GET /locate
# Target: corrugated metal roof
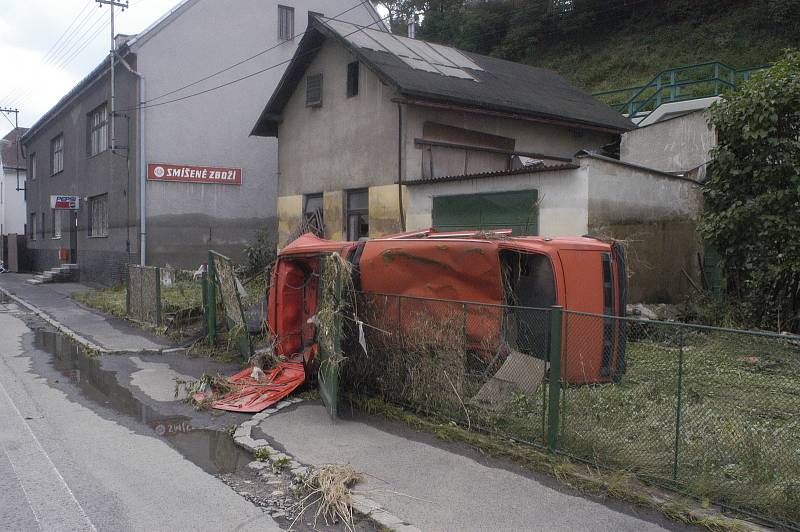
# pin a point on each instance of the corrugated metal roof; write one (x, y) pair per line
(497, 173)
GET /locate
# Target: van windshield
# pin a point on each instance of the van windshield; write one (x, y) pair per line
(528, 279)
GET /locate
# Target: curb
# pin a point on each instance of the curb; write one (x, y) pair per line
(243, 437)
(85, 342)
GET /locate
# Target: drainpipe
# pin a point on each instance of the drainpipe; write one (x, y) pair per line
(142, 168)
(400, 166)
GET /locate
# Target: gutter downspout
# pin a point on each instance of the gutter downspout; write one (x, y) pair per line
(400, 166)
(142, 168)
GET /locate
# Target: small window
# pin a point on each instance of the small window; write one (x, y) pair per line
(97, 129)
(352, 79)
(314, 90)
(57, 155)
(357, 214)
(41, 227)
(285, 23)
(313, 213)
(98, 216)
(56, 224)
(32, 166)
(313, 204)
(32, 226)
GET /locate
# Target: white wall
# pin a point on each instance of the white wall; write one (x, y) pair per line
(563, 196)
(677, 144)
(12, 206)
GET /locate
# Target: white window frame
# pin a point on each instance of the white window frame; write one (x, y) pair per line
(98, 216)
(285, 23)
(32, 166)
(56, 224)
(57, 154)
(97, 129)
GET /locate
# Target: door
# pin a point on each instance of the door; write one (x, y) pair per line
(516, 210)
(73, 237)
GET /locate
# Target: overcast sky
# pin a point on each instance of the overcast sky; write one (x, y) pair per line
(47, 46)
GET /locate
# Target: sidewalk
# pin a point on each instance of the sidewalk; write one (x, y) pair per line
(435, 485)
(108, 333)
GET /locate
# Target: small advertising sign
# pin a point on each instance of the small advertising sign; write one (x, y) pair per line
(194, 174)
(65, 202)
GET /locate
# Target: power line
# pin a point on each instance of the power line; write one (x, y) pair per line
(248, 76)
(262, 52)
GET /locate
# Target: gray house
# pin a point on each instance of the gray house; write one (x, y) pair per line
(380, 133)
(182, 174)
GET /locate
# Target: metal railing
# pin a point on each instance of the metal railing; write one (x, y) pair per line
(708, 411)
(690, 82)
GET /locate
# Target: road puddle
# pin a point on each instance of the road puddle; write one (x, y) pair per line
(214, 451)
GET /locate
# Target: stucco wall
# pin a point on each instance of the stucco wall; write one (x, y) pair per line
(657, 216)
(213, 129)
(12, 201)
(563, 196)
(101, 259)
(677, 144)
(345, 143)
(531, 137)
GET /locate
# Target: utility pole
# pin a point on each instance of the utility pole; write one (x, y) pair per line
(112, 55)
(8, 111)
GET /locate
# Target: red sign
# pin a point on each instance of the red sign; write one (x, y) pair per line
(194, 174)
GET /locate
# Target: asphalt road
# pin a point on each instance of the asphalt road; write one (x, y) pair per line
(66, 464)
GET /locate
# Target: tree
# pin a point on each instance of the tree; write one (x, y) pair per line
(752, 197)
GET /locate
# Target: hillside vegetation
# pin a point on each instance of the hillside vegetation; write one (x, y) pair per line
(610, 44)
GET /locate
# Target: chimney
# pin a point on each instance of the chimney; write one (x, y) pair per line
(412, 27)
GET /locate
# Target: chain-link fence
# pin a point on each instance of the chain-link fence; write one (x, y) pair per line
(711, 412)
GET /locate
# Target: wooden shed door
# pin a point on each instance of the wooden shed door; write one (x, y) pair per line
(497, 210)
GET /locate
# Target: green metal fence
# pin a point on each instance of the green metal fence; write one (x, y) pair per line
(710, 412)
(677, 84)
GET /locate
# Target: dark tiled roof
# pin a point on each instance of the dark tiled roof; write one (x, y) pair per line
(502, 86)
(497, 173)
(10, 156)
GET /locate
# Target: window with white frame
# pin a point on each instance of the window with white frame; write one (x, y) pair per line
(285, 23)
(98, 215)
(57, 155)
(32, 166)
(56, 224)
(97, 130)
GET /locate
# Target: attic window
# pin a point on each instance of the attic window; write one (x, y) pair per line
(352, 79)
(314, 90)
(285, 23)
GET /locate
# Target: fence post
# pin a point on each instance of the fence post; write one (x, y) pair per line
(678, 406)
(158, 296)
(128, 290)
(554, 387)
(204, 291)
(212, 298)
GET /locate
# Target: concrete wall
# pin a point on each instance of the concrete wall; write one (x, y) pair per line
(101, 259)
(676, 144)
(657, 216)
(12, 201)
(563, 196)
(213, 129)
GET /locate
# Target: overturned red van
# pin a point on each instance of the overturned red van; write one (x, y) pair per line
(494, 271)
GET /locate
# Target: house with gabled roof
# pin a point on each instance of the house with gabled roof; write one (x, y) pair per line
(379, 133)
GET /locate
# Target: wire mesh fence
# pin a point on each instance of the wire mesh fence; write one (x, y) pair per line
(160, 296)
(711, 412)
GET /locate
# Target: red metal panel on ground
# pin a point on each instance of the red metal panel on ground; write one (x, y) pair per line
(254, 395)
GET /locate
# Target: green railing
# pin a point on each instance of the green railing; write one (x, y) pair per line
(706, 411)
(677, 84)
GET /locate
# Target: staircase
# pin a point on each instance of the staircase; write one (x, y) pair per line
(691, 82)
(65, 273)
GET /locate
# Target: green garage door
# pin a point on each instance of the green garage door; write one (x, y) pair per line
(497, 210)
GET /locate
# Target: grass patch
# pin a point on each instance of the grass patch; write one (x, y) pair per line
(108, 300)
